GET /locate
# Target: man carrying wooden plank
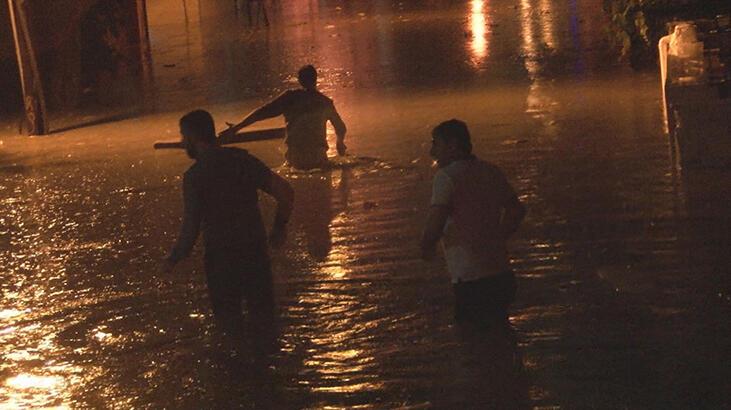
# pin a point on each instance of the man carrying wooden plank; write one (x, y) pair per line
(306, 112)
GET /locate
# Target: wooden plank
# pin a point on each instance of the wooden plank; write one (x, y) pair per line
(247, 136)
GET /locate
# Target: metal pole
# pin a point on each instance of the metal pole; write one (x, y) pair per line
(34, 101)
(145, 56)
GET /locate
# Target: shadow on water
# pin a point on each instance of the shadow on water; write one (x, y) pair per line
(321, 195)
(316, 224)
(701, 295)
(494, 357)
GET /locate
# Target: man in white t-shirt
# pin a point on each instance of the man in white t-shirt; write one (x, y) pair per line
(474, 210)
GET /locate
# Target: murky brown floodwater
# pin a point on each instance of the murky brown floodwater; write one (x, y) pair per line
(622, 261)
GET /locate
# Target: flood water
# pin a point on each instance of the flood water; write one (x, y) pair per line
(622, 262)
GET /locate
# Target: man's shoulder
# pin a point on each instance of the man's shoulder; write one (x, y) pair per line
(247, 159)
(473, 170)
(288, 93)
(284, 98)
(456, 168)
(193, 175)
(312, 96)
(488, 166)
(443, 178)
(324, 97)
(327, 101)
(473, 165)
(236, 152)
(192, 170)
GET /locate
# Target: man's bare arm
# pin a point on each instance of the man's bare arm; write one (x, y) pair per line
(435, 221)
(340, 130)
(270, 110)
(191, 224)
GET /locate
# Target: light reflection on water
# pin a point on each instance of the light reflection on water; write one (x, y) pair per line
(479, 27)
(45, 391)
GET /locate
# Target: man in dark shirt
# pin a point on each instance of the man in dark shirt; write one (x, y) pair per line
(220, 196)
(306, 112)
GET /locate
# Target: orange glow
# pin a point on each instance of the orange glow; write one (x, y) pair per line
(478, 25)
(529, 46)
(29, 381)
(10, 313)
(547, 24)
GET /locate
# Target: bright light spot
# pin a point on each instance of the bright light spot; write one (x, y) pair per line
(29, 381)
(21, 355)
(529, 47)
(100, 336)
(479, 42)
(547, 23)
(8, 313)
(350, 388)
(342, 355)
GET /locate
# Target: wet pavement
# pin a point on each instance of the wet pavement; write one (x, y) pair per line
(622, 262)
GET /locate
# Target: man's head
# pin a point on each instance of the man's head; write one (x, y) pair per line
(307, 77)
(450, 142)
(197, 127)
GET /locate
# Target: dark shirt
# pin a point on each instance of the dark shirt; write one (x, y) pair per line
(306, 113)
(220, 195)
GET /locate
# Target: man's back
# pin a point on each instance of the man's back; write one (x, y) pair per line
(306, 113)
(222, 186)
(476, 193)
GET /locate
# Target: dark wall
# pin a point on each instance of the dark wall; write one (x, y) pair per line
(88, 53)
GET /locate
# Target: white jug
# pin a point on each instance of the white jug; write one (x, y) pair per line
(684, 42)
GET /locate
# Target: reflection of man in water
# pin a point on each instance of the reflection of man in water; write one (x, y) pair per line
(320, 198)
(306, 112)
(474, 210)
(220, 195)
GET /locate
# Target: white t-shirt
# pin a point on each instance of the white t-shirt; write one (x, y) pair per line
(476, 193)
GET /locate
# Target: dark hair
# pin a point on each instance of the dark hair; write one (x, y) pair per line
(454, 131)
(307, 76)
(200, 124)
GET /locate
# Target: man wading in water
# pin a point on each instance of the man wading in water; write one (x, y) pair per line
(306, 112)
(474, 210)
(220, 192)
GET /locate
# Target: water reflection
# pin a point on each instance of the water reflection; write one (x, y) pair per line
(480, 31)
(539, 103)
(45, 391)
(40, 379)
(528, 38)
(547, 23)
(337, 361)
(325, 196)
